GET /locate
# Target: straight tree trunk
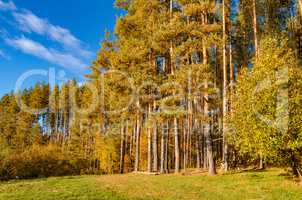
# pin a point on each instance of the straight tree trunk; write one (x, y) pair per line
(175, 123)
(61, 135)
(201, 147)
(255, 27)
(198, 163)
(137, 147)
(149, 150)
(207, 133)
(57, 121)
(205, 155)
(225, 89)
(149, 143)
(189, 149)
(209, 145)
(232, 79)
(197, 143)
(132, 140)
(162, 150)
(155, 157)
(190, 120)
(176, 146)
(167, 149)
(122, 150)
(171, 42)
(185, 152)
(126, 137)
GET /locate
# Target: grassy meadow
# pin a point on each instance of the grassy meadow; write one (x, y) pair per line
(273, 184)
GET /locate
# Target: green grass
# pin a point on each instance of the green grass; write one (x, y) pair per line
(270, 185)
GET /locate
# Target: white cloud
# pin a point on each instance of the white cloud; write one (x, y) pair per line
(36, 49)
(70, 51)
(3, 55)
(9, 5)
(28, 22)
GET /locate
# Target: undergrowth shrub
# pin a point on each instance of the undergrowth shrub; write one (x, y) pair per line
(38, 162)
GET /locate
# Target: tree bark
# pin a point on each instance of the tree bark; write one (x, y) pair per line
(137, 147)
(132, 138)
(162, 150)
(176, 146)
(185, 152)
(225, 89)
(149, 143)
(207, 134)
(167, 148)
(122, 150)
(171, 42)
(189, 133)
(155, 157)
(255, 28)
(197, 142)
(261, 162)
(209, 146)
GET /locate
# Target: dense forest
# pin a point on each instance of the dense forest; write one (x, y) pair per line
(180, 84)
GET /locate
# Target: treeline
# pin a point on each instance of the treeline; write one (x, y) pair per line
(183, 84)
(35, 133)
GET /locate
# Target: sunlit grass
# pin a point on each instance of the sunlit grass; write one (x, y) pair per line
(248, 185)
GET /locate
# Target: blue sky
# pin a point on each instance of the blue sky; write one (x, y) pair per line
(62, 35)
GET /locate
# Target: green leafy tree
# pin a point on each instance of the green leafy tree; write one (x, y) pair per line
(266, 105)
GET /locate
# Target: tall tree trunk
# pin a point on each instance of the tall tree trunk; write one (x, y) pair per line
(205, 155)
(126, 136)
(175, 124)
(57, 121)
(149, 142)
(207, 133)
(197, 143)
(208, 141)
(176, 146)
(132, 138)
(167, 148)
(201, 146)
(149, 150)
(225, 89)
(155, 157)
(232, 78)
(137, 147)
(122, 149)
(62, 126)
(162, 149)
(198, 163)
(190, 125)
(232, 85)
(171, 42)
(185, 152)
(255, 27)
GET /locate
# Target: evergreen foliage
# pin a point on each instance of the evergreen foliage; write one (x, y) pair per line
(179, 86)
